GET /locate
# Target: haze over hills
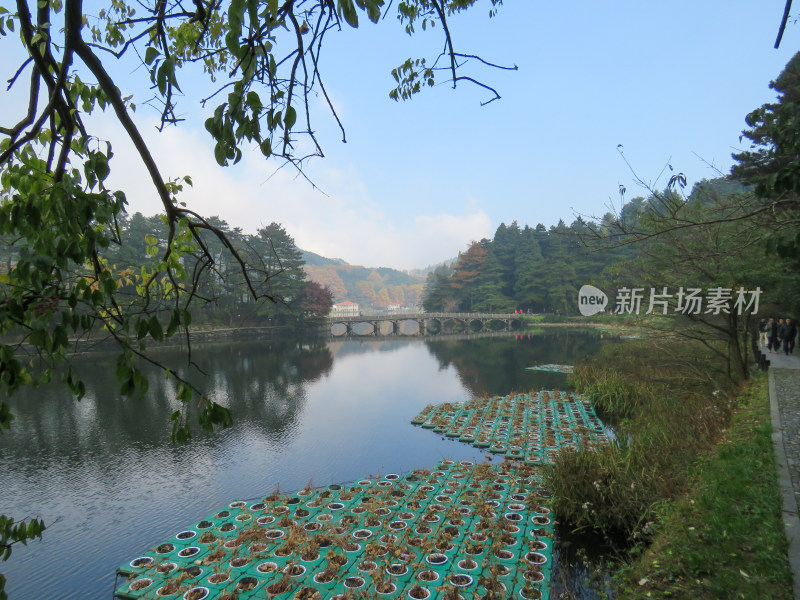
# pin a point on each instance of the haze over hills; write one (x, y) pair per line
(316, 260)
(368, 286)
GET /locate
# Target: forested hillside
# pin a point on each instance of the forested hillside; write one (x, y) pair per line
(528, 268)
(274, 267)
(369, 287)
(698, 241)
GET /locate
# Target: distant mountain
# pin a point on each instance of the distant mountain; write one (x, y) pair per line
(320, 261)
(374, 287)
(423, 273)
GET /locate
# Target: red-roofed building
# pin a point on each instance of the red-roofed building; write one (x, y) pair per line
(345, 309)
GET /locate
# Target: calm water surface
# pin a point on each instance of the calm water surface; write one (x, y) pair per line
(103, 474)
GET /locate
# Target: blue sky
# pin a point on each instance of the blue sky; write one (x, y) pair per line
(417, 181)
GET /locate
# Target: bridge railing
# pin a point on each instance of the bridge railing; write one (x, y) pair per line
(416, 316)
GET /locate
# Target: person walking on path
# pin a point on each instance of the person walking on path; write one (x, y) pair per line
(762, 332)
(772, 334)
(781, 333)
(789, 333)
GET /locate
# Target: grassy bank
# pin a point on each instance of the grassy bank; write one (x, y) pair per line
(672, 401)
(724, 538)
(692, 482)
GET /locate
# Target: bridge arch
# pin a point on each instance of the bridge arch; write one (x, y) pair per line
(423, 320)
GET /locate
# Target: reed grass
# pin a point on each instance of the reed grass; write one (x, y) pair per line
(674, 401)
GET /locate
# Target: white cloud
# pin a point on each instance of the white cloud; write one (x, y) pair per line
(342, 220)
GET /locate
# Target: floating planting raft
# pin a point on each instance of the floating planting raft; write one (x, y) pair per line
(462, 531)
(527, 427)
(551, 368)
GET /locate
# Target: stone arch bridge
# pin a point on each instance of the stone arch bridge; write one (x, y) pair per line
(424, 320)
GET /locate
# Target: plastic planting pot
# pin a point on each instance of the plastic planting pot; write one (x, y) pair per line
(468, 564)
(137, 565)
(428, 577)
(228, 529)
(192, 572)
(354, 582)
(265, 568)
(418, 592)
(247, 584)
(530, 592)
(295, 571)
(240, 562)
(305, 593)
(184, 537)
(533, 575)
(217, 580)
(197, 593)
(278, 588)
(505, 555)
(397, 569)
(137, 588)
(190, 552)
(366, 566)
(538, 546)
(460, 580)
(537, 559)
(319, 580)
(386, 589)
(165, 549)
(362, 534)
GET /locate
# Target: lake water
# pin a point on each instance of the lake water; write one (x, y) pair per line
(105, 477)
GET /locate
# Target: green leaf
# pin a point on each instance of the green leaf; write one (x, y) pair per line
(38, 337)
(5, 416)
(219, 154)
(184, 393)
(348, 10)
(374, 10)
(291, 117)
(154, 327)
(150, 54)
(101, 168)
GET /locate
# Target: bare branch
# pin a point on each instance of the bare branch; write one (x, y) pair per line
(784, 20)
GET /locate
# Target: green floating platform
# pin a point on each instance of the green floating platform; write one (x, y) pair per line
(551, 368)
(531, 428)
(462, 531)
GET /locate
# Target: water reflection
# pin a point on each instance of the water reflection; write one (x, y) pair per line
(103, 473)
(486, 365)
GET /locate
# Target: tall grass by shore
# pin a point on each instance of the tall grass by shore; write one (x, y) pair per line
(673, 401)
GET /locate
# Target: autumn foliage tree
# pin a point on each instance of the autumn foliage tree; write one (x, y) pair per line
(316, 301)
